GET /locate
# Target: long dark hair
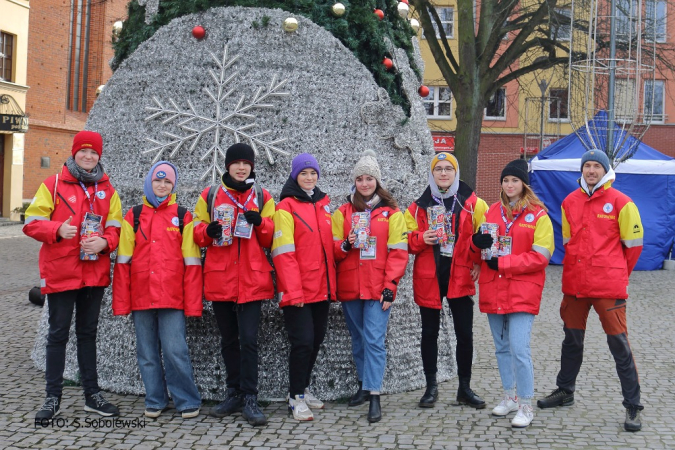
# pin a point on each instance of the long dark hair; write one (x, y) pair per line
(385, 196)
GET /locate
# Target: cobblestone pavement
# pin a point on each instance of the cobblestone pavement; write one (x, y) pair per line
(595, 421)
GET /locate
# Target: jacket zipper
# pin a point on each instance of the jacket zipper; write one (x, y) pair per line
(66, 203)
(302, 220)
(325, 257)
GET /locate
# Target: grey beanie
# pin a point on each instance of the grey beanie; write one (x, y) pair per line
(367, 165)
(596, 155)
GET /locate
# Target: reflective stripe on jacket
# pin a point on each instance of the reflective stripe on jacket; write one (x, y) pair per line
(60, 266)
(238, 272)
(603, 236)
(157, 267)
(365, 279)
(518, 284)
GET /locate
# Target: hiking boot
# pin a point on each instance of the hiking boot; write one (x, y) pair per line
(430, 396)
(506, 406)
(374, 410)
(251, 412)
(633, 422)
(311, 401)
(298, 408)
(523, 417)
(98, 404)
(559, 397)
(50, 408)
(189, 413)
(152, 413)
(234, 402)
(360, 397)
(465, 396)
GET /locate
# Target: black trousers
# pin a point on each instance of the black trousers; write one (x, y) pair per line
(306, 328)
(86, 303)
(238, 325)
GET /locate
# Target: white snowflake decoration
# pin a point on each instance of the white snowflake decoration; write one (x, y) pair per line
(221, 122)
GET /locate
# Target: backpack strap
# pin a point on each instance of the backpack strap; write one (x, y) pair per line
(210, 198)
(259, 196)
(56, 185)
(181, 217)
(136, 211)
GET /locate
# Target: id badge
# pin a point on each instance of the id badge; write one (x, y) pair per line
(242, 229)
(448, 249)
(371, 251)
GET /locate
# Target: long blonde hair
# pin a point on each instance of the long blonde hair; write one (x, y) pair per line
(528, 199)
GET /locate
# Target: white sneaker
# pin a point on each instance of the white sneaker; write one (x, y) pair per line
(312, 402)
(506, 406)
(299, 409)
(524, 417)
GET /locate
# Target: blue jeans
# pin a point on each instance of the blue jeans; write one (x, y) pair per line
(511, 334)
(367, 325)
(165, 329)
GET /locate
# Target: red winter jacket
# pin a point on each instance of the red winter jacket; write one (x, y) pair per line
(158, 267)
(238, 272)
(466, 221)
(60, 266)
(302, 249)
(365, 279)
(519, 282)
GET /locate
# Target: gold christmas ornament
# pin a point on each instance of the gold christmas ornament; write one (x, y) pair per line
(117, 28)
(290, 25)
(338, 9)
(403, 10)
(415, 25)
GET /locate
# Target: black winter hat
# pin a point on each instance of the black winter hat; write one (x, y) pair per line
(517, 168)
(239, 152)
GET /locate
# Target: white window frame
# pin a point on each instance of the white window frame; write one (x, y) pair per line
(434, 98)
(624, 99)
(561, 119)
(441, 13)
(622, 20)
(486, 117)
(660, 23)
(661, 116)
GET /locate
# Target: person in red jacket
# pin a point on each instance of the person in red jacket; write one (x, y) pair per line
(302, 252)
(511, 284)
(602, 234)
(235, 227)
(445, 271)
(77, 215)
(158, 278)
(367, 278)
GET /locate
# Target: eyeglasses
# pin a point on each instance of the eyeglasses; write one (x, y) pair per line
(444, 169)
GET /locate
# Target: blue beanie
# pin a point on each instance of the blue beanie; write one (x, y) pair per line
(147, 186)
(596, 155)
(304, 161)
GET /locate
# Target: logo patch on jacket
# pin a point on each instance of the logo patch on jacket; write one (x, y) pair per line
(326, 208)
(100, 194)
(72, 199)
(608, 208)
(385, 213)
(529, 218)
(174, 221)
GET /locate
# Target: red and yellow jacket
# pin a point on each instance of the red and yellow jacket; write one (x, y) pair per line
(60, 266)
(603, 236)
(365, 279)
(157, 267)
(519, 282)
(302, 249)
(466, 220)
(238, 272)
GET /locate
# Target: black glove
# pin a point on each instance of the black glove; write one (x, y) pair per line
(346, 245)
(214, 230)
(387, 295)
(253, 217)
(493, 263)
(482, 241)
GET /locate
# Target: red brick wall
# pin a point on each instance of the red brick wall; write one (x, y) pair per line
(494, 152)
(662, 138)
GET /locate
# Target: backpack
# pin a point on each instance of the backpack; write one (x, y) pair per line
(139, 208)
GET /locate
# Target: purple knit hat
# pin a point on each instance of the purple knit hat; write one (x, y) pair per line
(304, 161)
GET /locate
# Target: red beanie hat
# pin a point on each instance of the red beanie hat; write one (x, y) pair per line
(88, 139)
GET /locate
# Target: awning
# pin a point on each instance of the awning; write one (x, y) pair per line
(12, 117)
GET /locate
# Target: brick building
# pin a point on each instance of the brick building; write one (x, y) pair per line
(69, 46)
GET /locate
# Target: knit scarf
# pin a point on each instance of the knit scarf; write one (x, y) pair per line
(82, 175)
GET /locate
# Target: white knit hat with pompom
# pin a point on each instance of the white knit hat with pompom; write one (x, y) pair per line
(367, 165)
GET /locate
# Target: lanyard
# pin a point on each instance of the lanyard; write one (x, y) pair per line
(235, 201)
(508, 225)
(86, 192)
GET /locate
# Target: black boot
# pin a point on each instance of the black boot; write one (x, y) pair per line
(465, 396)
(360, 397)
(374, 412)
(251, 412)
(431, 394)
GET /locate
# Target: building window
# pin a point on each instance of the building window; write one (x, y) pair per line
(558, 105)
(561, 27)
(496, 107)
(438, 103)
(655, 27)
(447, 16)
(654, 92)
(625, 100)
(6, 54)
(626, 17)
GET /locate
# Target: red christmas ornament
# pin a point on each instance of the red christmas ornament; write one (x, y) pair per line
(405, 1)
(379, 13)
(423, 91)
(388, 63)
(199, 32)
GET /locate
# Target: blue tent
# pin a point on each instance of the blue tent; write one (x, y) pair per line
(648, 178)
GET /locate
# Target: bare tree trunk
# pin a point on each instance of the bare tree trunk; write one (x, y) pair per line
(467, 135)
